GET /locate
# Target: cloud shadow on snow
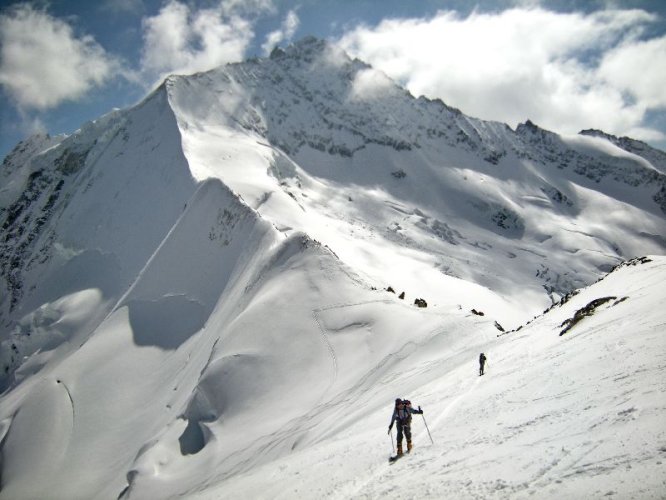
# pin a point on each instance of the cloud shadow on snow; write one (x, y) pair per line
(167, 322)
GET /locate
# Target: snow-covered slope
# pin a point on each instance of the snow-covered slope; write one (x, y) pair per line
(193, 291)
(574, 416)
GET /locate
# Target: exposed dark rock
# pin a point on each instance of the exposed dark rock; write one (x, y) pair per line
(588, 310)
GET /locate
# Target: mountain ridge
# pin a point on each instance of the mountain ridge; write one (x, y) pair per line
(198, 289)
(314, 126)
(331, 125)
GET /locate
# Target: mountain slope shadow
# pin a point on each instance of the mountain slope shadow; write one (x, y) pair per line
(87, 270)
(167, 322)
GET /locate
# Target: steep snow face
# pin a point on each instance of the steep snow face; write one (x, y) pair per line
(93, 210)
(15, 167)
(134, 374)
(320, 143)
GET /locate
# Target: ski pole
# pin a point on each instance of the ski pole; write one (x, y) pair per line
(426, 426)
(391, 438)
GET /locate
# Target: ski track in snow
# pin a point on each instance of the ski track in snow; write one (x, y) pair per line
(443, 414)
(325, 335)
(334, 359)
(301, 425)
(380, 471)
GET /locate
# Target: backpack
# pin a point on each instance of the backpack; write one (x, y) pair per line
(408, 407)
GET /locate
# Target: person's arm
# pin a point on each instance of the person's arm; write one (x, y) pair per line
(393, 419)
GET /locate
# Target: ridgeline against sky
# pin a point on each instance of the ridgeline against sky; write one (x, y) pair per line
(586, 66)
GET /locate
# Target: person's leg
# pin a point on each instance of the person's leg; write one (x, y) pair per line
(408, 435)
(399, 438)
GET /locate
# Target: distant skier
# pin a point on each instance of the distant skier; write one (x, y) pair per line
(402, 415)
(482, 363)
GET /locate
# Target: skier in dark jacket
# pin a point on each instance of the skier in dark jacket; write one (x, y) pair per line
(482, 363)
(402, 415)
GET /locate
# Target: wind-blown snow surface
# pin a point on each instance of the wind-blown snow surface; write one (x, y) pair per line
(194, 297)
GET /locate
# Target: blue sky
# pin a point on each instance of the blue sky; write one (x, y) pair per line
(566, 65)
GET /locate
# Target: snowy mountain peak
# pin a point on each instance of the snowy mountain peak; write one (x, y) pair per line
(308, 48)
(530, 127)
(434, 181)
(236, 275)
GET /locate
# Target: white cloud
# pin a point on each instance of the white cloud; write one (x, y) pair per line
(43, 63)
(526, 63)
(638, 67)
(246, 8)
(33, 125)
(123, 6)
(286, 32)
(180, 40)
(369, 83)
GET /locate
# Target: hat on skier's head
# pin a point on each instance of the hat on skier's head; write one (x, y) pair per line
(398, 401)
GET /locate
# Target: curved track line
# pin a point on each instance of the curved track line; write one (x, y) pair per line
(326, 340)
(447, 409)
(324, 336)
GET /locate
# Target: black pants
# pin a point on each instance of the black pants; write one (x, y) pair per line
(406, 430)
